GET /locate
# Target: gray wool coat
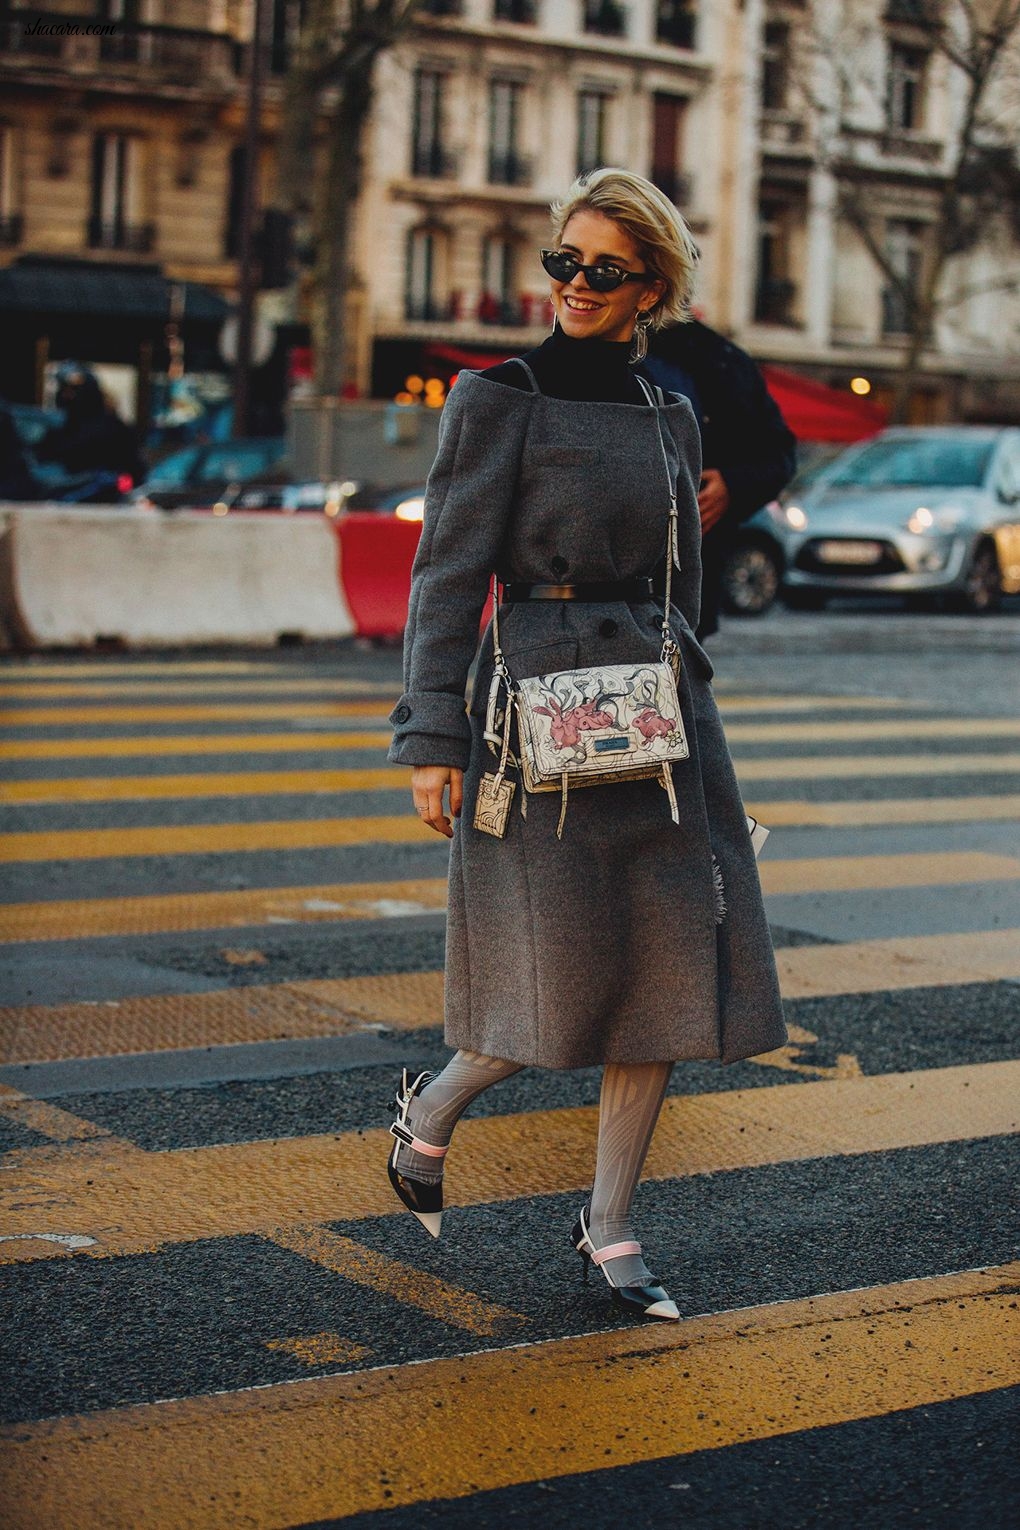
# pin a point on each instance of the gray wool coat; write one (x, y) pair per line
(602, 946)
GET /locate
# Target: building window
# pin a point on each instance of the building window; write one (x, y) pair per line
(524, 12)
(775, 290)
(676, 23)
(421, 289)
(591, 130)
(905, 98)
(499, 303)
(11, 223)
(668, 114)
(114, 222)
(775, 66)
(507, 167)
(606, 17)
(428, 155)
(904, 249)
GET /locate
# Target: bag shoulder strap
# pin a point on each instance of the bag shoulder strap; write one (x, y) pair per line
(531, 376)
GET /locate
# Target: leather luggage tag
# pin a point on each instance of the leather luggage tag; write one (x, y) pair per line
(492, 808)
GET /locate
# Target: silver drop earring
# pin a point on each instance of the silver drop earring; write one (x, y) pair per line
(639, 349)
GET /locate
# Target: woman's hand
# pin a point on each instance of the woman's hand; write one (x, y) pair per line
(428, 784)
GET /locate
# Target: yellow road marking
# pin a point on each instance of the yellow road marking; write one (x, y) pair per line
(401, 1282)
(321, 1349)
(203, 839)
(67, 920)
(44, 669)
(268, 1456)
(861, 730)
(412, 1000)
(249, 711)
(48, 1120)
(848, 766)
(132, 1201)
(254, 783)
(61, 920)
(788, 1059)
(197, 744)
(266, 783)
(292, 685)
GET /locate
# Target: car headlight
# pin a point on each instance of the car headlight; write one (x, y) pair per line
(410, 510)
(794, 517)
(924, 522)
(921, 521)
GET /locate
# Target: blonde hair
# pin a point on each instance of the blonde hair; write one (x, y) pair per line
(651, 219)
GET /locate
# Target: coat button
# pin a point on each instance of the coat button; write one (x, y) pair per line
(401, 713)
(559, 566)
(608, 629)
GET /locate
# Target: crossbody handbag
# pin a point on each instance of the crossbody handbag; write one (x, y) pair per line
(588, 727)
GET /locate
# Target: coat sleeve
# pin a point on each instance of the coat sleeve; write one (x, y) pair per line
(468, 499)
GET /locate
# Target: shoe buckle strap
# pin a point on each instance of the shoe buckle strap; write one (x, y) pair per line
(615, 1251)
(400, 1131)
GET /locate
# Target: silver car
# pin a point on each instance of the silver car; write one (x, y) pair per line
(913, 511)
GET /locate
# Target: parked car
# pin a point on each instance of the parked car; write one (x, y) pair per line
(752, 574)
(198, 477)
(921, 512)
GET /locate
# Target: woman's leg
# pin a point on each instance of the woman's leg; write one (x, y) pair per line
(436, 1111)
(629, 1106)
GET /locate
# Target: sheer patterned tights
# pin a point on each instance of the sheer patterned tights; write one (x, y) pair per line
(629, 1106)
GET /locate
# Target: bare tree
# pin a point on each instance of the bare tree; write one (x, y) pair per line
(978, 180)
(328, 94)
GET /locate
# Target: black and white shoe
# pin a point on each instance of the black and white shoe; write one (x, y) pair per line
(422, 1200)
(650, 1301)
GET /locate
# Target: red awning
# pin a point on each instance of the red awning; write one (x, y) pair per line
(817, 413)
(811, 410)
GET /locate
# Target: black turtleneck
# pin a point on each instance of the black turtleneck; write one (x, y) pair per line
(588, 371)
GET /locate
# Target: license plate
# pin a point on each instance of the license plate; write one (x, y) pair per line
(849, 552)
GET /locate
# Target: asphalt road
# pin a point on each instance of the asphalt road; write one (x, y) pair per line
(222, 936)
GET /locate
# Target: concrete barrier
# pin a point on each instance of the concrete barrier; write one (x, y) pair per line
(75, 577)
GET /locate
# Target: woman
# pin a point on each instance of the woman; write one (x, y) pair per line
(631, 941)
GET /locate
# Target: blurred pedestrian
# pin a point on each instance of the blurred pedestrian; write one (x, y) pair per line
(636, 939)
(92, 437)
(748, 453)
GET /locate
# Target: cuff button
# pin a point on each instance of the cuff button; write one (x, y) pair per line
(401, 713)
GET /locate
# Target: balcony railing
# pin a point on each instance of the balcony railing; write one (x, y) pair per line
(773, 301)
(677, 185)
(676, 24)
(509, 170)
(12, 228)
(138, 238)
(182, 52)
(525, 12)
(433, 162)
(442, 7)
(910, 146)
(427, 310)
(897, 312)
(606, 17)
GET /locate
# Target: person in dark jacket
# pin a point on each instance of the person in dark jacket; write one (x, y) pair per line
(92, 436)
(748, 452)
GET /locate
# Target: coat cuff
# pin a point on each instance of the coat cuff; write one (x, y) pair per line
(431, 728)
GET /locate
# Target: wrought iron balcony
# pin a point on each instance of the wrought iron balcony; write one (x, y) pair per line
(433, 162)
(80, 41)
(138, 238)
(676, 24)
(12, 228)
(773, 300)
(606, 17)
(509, 169)
(427, 310)
(442, 7)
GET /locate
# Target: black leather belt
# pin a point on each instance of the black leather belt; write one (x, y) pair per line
(602, 590)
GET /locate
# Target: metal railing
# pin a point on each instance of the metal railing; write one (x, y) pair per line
(773, 300)
(509, 169)
(433, 162)
(49, 36)
(524, 12)
(676, 24)
(138, 238)
(606, 17)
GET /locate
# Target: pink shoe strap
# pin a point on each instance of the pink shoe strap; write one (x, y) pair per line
(614, 1251)
(418, 1146)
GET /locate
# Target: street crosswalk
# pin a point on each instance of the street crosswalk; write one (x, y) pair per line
(195, 1150)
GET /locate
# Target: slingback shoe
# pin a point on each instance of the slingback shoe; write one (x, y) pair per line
(422, 1200)
(650, 1301)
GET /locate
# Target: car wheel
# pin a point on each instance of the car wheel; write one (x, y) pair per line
(982, 591)
(804, 600)
(750, 580)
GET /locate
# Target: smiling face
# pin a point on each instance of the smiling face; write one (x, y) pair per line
(583, 314)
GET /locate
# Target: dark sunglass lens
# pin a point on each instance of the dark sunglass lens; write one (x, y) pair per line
(561, 267)
(605, 278)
